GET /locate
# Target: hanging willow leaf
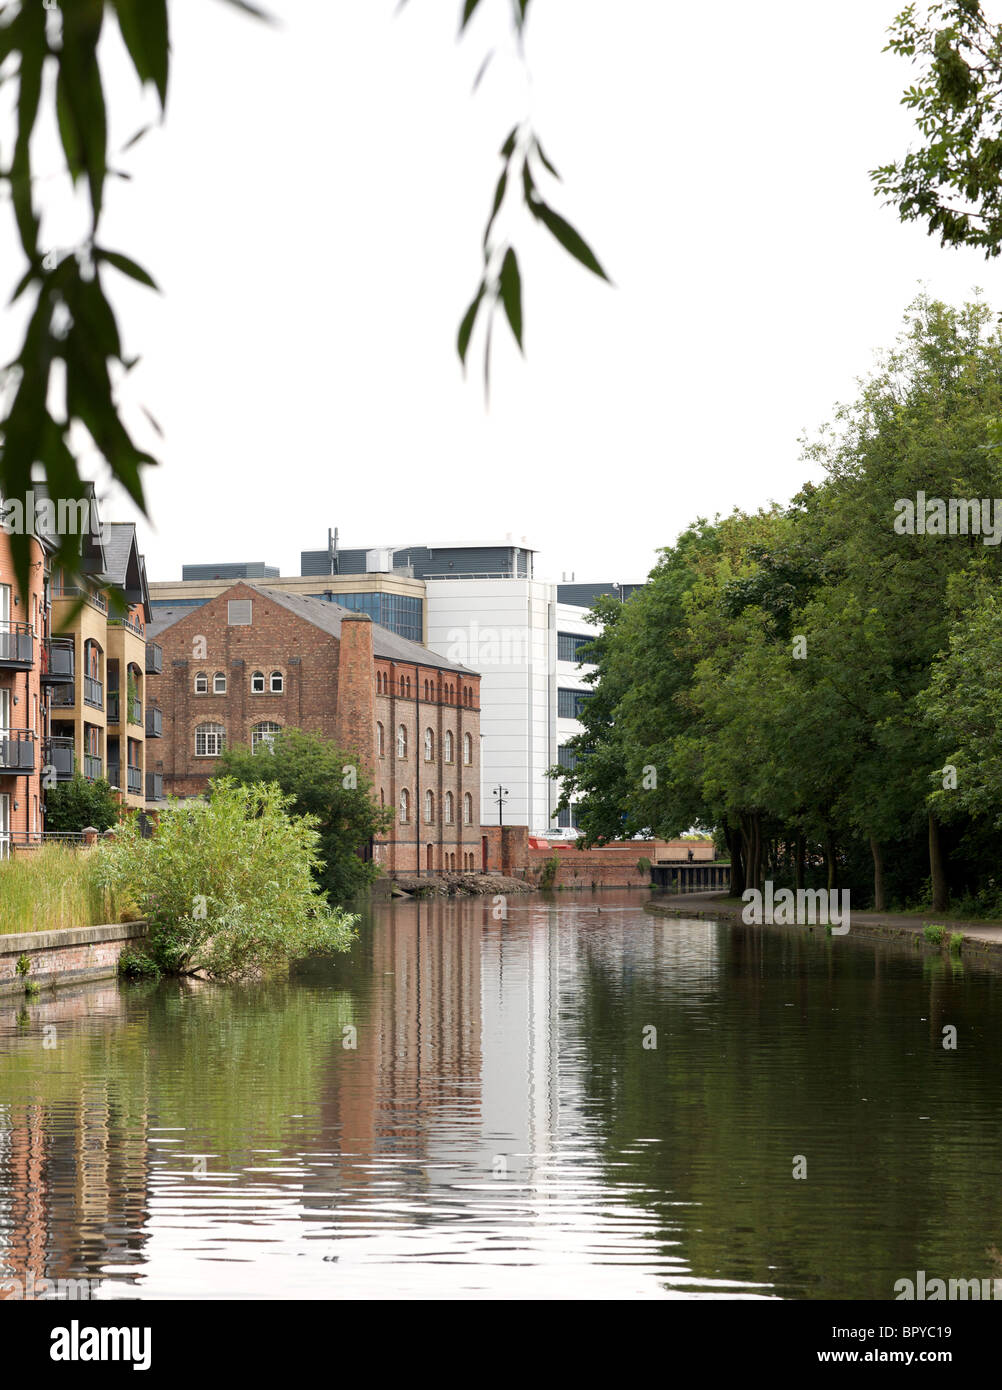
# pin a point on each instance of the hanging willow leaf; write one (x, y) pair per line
(569, 239)
(80, 99)
(511, 294)
(144, 31)
(469, 9)
(469, 319)
(126, 265)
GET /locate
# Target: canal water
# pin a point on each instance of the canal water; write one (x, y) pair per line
(580, 1100)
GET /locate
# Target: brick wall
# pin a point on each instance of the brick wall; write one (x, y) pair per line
(338, 689)
(25, 688)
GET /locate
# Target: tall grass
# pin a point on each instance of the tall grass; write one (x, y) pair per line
(52, 887)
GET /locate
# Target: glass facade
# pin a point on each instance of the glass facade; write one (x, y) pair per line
(398, 612)
(570, 703)
(569, 644)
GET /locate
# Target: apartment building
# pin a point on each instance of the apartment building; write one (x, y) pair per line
(255, 659)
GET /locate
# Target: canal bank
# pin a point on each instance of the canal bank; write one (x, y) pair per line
(981, 939)
(69, 955)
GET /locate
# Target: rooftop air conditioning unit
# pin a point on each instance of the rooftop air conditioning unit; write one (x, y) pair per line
(378, 561)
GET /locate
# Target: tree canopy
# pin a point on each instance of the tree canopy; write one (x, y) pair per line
(803, 679)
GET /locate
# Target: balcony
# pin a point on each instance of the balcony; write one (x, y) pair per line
(113, 773)
(93, 692)
(136, 712)
(113, 707)
(154, 722)
(17, 752)
(17, 647)
(58, 661)
(135, 783)
(133, 624)
(154, 786)
(93, 767)
(63, 696)
(154, 658)
(59, 757)
(95, 599)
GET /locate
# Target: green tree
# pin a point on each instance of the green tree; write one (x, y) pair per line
(327, 783)
(226, 884)
(953, 181)
(78, 803)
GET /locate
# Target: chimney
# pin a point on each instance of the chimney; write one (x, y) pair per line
(356, 682)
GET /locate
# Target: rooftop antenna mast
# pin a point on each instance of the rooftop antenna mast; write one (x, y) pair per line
(332, 549)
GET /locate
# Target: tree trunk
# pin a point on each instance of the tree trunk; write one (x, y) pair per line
(737, 861)
(800, 861)
(830, 857)
(940, 892)
(876, 849)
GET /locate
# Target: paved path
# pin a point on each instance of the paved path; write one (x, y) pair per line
(987, 934)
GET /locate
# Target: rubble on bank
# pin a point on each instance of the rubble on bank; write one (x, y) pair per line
(452, 885)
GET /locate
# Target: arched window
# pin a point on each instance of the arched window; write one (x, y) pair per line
(466, 694)
(429, 745)
(219, 683)
(449, 751)
(257, 683)
(449, 812)
(429, 806)
(201, 683)
(405, 805)
(408, 687)
(468, 808)
(210, 739)
(380, 741)
(427, 690)
(402, 741)
(277, 682)
(467, 749)
(264, 733)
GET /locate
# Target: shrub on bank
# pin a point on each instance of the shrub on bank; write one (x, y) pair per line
(226, 884)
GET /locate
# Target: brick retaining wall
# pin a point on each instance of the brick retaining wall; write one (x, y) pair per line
(65, 957)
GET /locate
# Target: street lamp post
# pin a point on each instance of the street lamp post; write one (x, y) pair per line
(500, 795)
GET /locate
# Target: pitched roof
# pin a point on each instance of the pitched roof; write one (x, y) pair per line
(328, 617)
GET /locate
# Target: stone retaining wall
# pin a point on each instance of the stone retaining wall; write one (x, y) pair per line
(65, 957)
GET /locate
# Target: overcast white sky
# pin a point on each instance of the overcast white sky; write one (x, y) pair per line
(313, 206)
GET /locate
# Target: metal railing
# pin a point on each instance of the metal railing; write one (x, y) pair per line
(17, 751)
(58, 660)
(96, 600)
(114, 770)
(154, 658)
(60, 755)
(154, 722)
(93, 692)
(136, 712)
(93, 767)
(113, 707)
(135, 780)
(17, 644)
(154, 786)
(133, 624)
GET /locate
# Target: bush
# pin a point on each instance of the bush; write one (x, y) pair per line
(549, 873)
(327, 783)
(226, 885)
(956, 941)
(77, 804)
(935, 935)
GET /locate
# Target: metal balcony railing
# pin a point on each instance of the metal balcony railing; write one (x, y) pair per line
(17, 752)
(136, 712)
(154, 658)
(154, 786)
(113, 707)
(17, 646)
(93, 767)
(135, 780)
(59, 756)
(154, 722)
(58, 661)
(93, 692)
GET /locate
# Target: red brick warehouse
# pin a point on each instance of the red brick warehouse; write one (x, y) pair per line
(254, 660)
